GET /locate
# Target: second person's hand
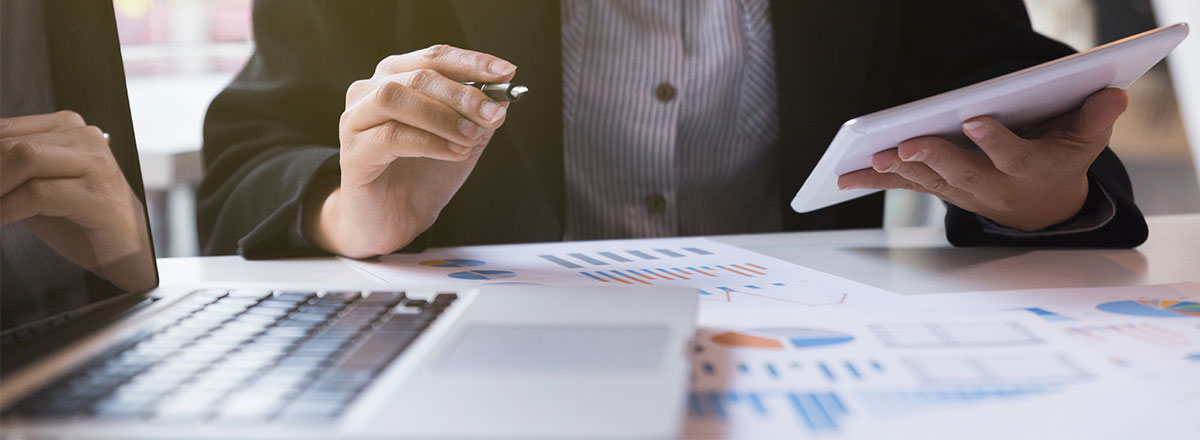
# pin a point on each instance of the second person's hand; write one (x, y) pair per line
(410, 136)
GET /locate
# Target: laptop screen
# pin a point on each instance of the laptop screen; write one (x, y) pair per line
(75, 230)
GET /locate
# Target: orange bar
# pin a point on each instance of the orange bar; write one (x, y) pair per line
(703, 272)
(660, 275)
(621, 280)
(749, 270)
(639, 280)
(756, 266)
(734, 271)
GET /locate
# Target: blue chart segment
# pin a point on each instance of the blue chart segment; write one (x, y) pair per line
(1048, 315)
(1194, 357)
(1153, 308)
(774, 338)
(483, 275)
(818, 412)
(452, 262)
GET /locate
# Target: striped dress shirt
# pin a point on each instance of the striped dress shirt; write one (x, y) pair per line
(670, 118)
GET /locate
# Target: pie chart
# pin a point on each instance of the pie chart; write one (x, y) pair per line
(1153, 308)
(483, 275)
(452, 262)
(779, 338)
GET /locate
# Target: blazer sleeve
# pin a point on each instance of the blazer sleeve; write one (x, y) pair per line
(272, 133)
(951, 44)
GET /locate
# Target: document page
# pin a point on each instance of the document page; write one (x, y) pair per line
(724, 276)
(829, 373)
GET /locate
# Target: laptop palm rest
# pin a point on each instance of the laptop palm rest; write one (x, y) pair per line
(557, 349)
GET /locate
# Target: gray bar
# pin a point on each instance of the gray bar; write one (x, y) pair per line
(697, 251)
(642, 255)
(588, 260)
(669, 253)
(615, 257)
(560, 262)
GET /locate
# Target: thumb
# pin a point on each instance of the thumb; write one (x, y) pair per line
(1099, 112)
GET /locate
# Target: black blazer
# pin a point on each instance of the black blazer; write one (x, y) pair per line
(273, 131)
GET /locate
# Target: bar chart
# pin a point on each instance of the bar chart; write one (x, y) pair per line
(818, 413)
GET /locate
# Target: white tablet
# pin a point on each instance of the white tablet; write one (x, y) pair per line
(1016, 99)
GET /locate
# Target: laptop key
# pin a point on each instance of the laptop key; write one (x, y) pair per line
(342, 297)
(378, 349)
(255, 294)
(384, 298)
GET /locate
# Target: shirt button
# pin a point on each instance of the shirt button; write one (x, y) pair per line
(656, 203)
(664, 92)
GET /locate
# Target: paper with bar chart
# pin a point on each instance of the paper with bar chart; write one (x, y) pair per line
(723, 275)
(829, 373)
(1149, 332)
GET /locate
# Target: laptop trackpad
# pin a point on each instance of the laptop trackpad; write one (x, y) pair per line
(549, 349)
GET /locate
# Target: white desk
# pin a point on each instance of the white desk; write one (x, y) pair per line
(903, 260)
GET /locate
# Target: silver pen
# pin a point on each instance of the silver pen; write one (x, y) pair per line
(500, 92)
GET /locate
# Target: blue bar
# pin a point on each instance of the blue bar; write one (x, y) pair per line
(697, 251)
(831, 401)
(614, 257)
(853, 371)
(694, 406)
(753, 287)
(822, 417)
(828, 374)
(642, 255)
(605, 274)
(714, 401)
(803, 412)
(771, 371)
(742, 368)
(757, 404)
(560, 262)
(705, 292)
(777, 284)
(669, 253)
(588, 260)
(709, 368)
(877, 366)
(592, 276)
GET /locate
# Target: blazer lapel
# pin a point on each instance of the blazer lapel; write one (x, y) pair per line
(526, 32)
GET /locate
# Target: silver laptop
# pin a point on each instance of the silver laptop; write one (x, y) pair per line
(84, 358)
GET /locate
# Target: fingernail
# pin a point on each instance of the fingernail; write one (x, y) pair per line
(469, 129)
(918, 155)
(501, 67)
(491, 111)
(891, 167)
(461, 150)
(975, 129)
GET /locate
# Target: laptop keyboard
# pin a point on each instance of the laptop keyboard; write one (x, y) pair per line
(245, 355)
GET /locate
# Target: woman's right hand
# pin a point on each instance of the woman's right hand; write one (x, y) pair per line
(410, 136)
